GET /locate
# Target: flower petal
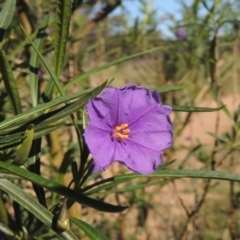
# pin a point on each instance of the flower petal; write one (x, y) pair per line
(154, 120)
(103, 110)
(100, 145)
(136, 101)
(156, 141)
(139, 159)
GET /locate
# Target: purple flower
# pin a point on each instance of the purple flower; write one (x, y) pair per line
(128, 125)
(181, 33)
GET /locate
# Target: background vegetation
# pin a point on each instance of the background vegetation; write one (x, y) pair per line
(58, 54)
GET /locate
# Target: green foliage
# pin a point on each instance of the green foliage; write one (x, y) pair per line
(90, 231)
(6, 16)
(54, 58)
(10, 83)
(62, 27)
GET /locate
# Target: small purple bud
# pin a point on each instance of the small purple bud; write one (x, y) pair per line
(40, 73)
(181, 33)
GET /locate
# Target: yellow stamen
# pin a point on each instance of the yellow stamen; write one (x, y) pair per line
(127, 130)
(117, 128)
(121, 131)
(117, 135)
(124, 125)
(124, 136)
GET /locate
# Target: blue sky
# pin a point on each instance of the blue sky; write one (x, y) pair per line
(163, 7)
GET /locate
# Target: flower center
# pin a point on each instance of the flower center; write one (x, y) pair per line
(121, 131)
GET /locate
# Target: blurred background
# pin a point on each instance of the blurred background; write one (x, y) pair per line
(198, 51)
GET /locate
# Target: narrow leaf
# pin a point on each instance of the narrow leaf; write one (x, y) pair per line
(29, 203)
(107, 65)
(34, 165)
(10, 83)
(90, 231)
(60, 189)
(221, 138)
(24, 150)
(170, 173)
(48, 67)
(6, 230)
(189, 173)
(65, 111)
(14, 139)
(195, 109)
(62, 27)
(169, 88)
(31, 113)
(34, 60)
(6, 16)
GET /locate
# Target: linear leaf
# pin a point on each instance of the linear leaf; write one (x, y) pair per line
(107, 65)
(30, 203)
(170, 173)
(189, 173)
(6, 16)
(10, 83)
(24, 150)
(65, 111)
(31, 113)
(6, 230)
(109, 182)
(195, 109)
(60, 189)
(169, 88)
(48, 67)
(44, 123)
(131, 187)
(90, 231)
(34, 60)
(34, 165)
(62, 27)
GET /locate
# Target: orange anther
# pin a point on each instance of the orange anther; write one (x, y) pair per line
(127, 130)
(124, 125)
(121, 131)
(117, 128)
(117, 134)
(124, 136)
